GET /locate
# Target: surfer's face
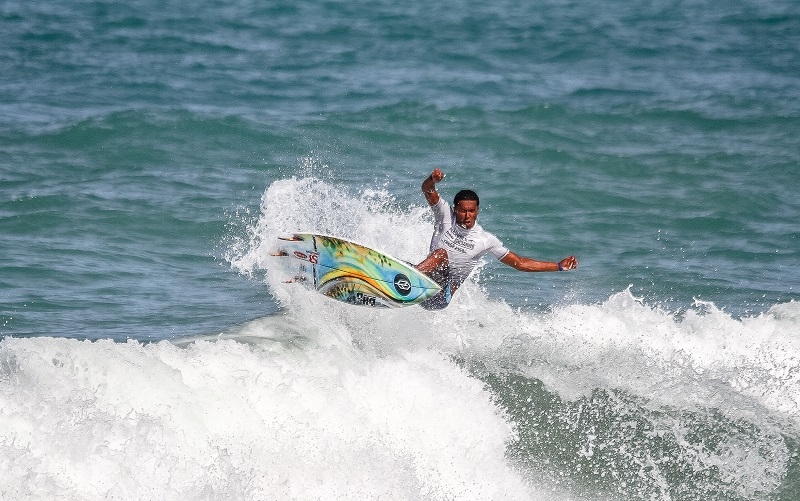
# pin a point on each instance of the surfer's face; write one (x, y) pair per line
(466, 213)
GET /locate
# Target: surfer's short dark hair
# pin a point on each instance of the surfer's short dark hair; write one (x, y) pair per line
(466, 195)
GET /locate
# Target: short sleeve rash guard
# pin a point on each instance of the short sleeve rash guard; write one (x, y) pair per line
(464, 247)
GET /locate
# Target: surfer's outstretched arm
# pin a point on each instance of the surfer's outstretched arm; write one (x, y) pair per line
(527, 264)
(429, 186)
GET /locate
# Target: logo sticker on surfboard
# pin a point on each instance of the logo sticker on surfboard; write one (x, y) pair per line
(312, 258)
(402, 284)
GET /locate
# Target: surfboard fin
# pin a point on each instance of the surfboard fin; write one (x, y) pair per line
(279, 254)
(291, 238)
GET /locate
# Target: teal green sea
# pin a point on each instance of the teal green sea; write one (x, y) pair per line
(151, 152)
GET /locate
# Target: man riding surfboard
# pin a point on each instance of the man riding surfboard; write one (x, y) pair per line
(458, 242)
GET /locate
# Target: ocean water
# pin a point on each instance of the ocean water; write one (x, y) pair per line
(151, 152)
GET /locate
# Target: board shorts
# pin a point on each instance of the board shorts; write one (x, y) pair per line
(443, 297)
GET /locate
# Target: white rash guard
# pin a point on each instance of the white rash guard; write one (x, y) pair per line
(464, 247)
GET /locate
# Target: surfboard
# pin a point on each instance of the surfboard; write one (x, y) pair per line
(352, 273)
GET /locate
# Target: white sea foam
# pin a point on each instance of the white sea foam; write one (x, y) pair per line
(328, 401)
(702, 357)
(747, 367)
(737, 375)
(226, 420)
(702, 360)
(316, 403)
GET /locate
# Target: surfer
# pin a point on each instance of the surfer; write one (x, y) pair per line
(459, 241)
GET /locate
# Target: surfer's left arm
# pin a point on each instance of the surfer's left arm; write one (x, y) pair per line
(527, 264)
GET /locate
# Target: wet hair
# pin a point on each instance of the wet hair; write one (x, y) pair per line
(466, 195)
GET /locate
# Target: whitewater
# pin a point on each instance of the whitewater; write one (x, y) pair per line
(484, 400)
(151, 153)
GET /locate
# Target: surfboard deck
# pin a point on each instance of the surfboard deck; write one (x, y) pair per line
(352, 273)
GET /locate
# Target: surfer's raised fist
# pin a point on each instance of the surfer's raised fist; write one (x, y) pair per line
(437, 175)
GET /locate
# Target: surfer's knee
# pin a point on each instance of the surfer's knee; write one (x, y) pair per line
(436, 260)
(440, 255)
(439, 259)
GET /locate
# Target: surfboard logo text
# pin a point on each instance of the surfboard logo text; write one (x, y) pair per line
(364, 299)
(312, 258)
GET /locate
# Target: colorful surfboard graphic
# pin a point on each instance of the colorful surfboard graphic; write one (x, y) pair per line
(354, 274)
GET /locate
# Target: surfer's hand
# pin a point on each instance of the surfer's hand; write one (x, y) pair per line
(568, 263)
(437, 175)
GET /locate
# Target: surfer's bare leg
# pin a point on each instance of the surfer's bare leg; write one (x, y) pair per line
(437, 266)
